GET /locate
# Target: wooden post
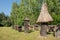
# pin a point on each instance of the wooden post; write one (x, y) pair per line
(26, 25)
(43, 31)
(57, 33)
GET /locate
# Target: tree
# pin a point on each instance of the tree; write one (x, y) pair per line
(14, 13)
(31, 9)
(4, 20)
(54, 10)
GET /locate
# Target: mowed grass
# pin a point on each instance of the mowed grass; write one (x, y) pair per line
(7, 33)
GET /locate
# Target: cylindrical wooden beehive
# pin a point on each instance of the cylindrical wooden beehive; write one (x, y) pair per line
(26, 25)
(44, 18)
(20, 28)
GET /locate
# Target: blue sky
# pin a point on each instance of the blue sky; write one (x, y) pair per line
(6, 6)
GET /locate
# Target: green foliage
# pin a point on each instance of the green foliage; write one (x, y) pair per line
(4, 20)
(54, 10)
(27, 8)
(14, 13)
(31, 9)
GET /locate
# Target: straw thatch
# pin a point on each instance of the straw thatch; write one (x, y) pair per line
(44, 15)
(27, 19)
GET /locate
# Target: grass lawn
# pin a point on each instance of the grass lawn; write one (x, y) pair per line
(7, 33)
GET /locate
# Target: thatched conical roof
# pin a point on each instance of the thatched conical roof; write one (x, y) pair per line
(27, 19)
(44, 14)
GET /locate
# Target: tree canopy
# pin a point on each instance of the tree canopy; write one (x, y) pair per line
(31, 9)
(4, 20)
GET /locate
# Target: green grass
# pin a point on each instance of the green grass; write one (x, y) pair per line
(7, 33)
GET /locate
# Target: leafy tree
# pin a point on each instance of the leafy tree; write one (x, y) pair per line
(14, 13)
(54, 10)
(4, 20)
(31, 9)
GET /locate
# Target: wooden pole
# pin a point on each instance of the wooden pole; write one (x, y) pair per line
(43, 31)
(26, 25)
